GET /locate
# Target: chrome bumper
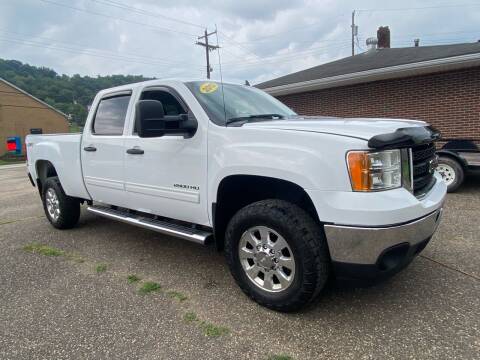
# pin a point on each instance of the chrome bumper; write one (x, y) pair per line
(364, 245)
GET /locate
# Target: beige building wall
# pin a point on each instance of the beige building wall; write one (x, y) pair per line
(19, 113)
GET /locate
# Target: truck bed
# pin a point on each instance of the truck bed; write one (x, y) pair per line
(63, 151)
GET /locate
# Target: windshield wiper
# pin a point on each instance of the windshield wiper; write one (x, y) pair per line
(256, 116)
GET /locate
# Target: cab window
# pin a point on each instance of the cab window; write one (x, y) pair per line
(110, 115)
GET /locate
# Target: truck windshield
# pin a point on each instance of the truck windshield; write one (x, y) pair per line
(242, 103)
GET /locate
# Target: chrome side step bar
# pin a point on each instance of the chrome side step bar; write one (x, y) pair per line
(161, 226)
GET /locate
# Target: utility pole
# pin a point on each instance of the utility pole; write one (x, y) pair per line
(354, 32)
(208, 48)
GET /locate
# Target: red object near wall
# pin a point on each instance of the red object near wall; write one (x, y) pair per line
(11, 146)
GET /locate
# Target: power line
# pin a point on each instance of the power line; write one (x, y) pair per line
(266, 37)
(290, 55)
(144, 12)
(274, 61)
(82, 52)
(420, 8)
(240, 46)
(133, 57)
(119, 18)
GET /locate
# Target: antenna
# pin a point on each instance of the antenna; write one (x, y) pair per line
(221, 74)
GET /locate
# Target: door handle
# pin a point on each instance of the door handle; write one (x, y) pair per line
(90, 148)
(135, 151)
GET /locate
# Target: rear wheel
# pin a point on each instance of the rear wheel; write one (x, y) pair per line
(62, 211)
(451, 172)
(277, 254)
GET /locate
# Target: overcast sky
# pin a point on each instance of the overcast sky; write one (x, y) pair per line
(259, 39)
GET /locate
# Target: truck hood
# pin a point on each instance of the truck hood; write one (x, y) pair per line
(362, 128)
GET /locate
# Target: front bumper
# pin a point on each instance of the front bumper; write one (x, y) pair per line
(376, 252)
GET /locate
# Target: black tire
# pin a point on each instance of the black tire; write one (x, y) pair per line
(459, 173)
(304, 236)
(69, 207)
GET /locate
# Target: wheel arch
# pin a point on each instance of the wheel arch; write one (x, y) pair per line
(454, 156)
(236, 191)
(44, 169)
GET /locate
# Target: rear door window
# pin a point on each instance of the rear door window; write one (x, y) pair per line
(110, 116)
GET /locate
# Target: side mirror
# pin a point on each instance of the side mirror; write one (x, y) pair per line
(151, 121)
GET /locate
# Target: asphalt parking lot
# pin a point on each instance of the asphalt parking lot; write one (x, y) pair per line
(81, 305)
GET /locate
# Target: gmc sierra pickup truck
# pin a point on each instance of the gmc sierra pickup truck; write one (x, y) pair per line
(291, 200)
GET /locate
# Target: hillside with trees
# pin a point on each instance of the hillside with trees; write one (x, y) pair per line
(70, 94)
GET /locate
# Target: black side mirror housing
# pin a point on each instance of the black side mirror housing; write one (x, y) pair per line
(151, 121)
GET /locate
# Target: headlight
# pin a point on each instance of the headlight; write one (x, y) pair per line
(372, 171)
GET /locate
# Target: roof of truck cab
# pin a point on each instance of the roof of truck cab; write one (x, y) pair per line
(159, 82)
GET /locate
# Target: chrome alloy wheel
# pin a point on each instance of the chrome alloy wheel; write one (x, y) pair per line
(53, 205)
(267, 259)
(446, 172)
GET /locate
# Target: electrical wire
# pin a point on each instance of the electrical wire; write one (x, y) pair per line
(420, 8)
(155, 15)
(84, 52)
(119, 18)
(133, 57)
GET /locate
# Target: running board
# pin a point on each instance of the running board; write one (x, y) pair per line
(161, 226)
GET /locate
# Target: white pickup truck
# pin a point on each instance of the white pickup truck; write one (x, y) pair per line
(291, 200)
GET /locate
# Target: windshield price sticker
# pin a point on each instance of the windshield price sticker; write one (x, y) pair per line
(207, 88)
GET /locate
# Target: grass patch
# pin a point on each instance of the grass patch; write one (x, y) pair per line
(190, 316)
(133, 278)
(177, 295)
(43, 250)
(208, 329)
(280, 357)
(212, 330)
(101, 268)
(149, 287)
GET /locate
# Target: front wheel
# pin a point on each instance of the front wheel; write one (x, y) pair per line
(451, 172)
(277, 254)
(62, 211)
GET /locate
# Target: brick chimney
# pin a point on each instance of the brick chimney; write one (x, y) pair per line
(383, 36)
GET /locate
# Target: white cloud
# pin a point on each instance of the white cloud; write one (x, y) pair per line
(264, 39)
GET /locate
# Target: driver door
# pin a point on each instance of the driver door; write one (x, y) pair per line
(166, 175)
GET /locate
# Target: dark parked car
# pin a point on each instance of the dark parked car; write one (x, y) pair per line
(455, 159)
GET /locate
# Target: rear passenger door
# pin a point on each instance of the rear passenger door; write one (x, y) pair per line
(103, 149)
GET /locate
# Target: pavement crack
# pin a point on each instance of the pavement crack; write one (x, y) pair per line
(450, 267)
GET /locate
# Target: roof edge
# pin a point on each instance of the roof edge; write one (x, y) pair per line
(398, 71)
(33, 97)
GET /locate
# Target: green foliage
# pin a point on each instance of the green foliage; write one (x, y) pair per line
(133, 279)
(212, 330)
(70, 94)
(177, 295)
(149, 287)
(43, 250)
(100, 268)
(190, 316)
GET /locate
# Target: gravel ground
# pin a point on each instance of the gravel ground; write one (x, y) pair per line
(61, 307)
